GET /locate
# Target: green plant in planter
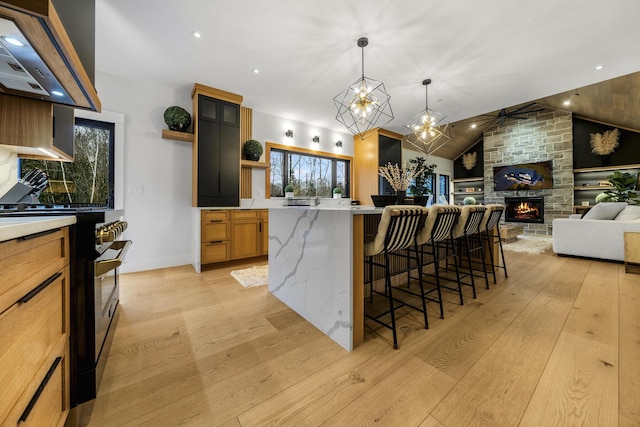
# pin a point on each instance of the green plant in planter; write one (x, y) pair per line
(288, 189)
(624, 184)
(252, 150)
(177, 118)
(337, 190)
(419, 185)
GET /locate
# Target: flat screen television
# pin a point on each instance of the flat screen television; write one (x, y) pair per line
(525, 176)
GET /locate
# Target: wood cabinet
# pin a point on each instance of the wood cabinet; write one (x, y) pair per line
(216, 150)
(36, 126)
(34, 329)
(233, 234)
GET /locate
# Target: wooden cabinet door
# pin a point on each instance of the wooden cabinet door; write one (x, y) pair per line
(245, 239)
(265, 237)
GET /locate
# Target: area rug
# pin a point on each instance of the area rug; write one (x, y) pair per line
(529, 244)
(257, 275)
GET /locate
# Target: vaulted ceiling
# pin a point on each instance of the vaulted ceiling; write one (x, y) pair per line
(481, 56)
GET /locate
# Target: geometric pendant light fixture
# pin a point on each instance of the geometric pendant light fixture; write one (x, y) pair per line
(429, 128)
(365, 104)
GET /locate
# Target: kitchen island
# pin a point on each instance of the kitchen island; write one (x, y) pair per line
(316, 266)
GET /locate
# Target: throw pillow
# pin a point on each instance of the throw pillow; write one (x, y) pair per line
(605, 211)
(629, 213)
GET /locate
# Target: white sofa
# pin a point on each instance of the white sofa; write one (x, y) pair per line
(599, 234)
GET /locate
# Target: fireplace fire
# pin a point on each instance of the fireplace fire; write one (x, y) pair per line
(524, 209)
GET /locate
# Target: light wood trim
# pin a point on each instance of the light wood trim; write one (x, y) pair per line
(200, 89)
(84, 95)
(607, 168)
(246, 191)
(178, 136)
(358, 280)
(390, 134)
(365, 168)
(252, 164)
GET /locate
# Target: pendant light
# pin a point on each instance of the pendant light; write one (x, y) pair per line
(428, 128)
(365, 104)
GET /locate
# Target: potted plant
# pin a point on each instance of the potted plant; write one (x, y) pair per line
(418, 187)
(288, 191)
(337, 193)
(252, 150)
(177, 118)
(624, 183)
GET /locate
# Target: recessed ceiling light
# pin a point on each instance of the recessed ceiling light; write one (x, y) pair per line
(196, 34)
(599, 67)
(13, 41)
(256, 71)
(566, 103)
(473, 125)
(57, 93)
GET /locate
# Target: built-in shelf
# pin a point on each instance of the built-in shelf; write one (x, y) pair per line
(178, 136)
(252, 164)
(467, 193)
(468, 179)
(607, 168)
(592, 188)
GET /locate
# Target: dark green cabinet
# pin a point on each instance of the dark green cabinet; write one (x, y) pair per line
(218, 153)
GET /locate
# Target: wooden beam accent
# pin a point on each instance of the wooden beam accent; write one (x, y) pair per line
(246, 133)
(245, 179)
(365, 168)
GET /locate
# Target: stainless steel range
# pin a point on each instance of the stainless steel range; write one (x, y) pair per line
(96, 253)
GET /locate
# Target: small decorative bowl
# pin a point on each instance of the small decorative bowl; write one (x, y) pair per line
(382, 200)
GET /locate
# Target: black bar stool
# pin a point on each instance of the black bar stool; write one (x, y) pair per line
(436, 238)
(489, 228)
(466, 233)
(397, 232)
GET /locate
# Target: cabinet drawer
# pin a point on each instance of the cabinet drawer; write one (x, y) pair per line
(215, 252)
(28, 261)
(245, 214)
(214, 231)
(29, 331)
(46, 401)
(208, 216)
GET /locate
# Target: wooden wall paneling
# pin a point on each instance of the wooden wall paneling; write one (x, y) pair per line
(246, 133)
(365, 168)
(31, 122)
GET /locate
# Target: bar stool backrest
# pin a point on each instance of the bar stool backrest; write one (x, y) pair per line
(397, 228)
(469, 222)
(491, 217)
(440, 222)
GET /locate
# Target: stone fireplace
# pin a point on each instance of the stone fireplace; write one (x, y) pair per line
(524, 209)
(542, 136)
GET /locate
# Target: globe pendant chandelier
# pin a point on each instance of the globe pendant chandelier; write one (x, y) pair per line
(364, 104)
(428, 128)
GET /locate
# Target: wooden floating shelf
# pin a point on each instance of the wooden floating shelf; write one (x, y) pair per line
(178, 136)
(607, 168)
(468, 179)
(593, 187)
(468, 193)
(252, 164)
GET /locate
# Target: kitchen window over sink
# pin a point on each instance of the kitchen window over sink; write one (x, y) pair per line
(90, 177)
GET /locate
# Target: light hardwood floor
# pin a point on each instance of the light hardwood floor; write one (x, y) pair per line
(557, 343)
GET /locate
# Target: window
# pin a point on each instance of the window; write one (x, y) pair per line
(443, 187)
(309, 173)
(90, 177)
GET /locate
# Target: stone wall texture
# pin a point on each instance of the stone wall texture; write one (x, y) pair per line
(546, 135)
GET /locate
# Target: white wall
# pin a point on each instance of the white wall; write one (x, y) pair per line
(159, 216)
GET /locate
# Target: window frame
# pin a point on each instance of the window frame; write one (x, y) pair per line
(307, 152)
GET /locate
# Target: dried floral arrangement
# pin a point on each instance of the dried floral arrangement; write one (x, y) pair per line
(604, 144)
(399, 178)
(469, 160)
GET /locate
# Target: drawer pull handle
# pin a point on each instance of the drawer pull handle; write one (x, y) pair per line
(216, 220)
(42, 233)
(43, 384)
(215, 241)
(35, 291)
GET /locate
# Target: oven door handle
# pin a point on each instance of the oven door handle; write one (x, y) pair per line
(102, 267)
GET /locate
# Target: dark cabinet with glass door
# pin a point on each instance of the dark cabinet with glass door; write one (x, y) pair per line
(217, 148)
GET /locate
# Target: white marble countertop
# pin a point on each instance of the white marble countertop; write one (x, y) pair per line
(355, 210)
(14, 227)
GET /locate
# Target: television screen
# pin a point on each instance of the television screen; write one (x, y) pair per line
(526, 176)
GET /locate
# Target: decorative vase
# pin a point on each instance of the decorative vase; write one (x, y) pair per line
(400, 196)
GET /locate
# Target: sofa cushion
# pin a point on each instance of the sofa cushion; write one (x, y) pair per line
(605, 211)
(629, 213)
